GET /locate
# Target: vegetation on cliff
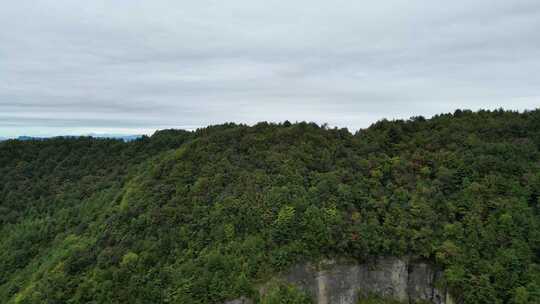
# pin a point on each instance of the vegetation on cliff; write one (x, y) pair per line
(202, 217)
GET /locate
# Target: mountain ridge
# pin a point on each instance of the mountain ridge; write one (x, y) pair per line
(204, 216)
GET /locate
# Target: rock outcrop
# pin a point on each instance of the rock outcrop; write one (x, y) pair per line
(333, 282)
(242, 300)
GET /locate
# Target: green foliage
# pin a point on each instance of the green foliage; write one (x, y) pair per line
(374, 299)
(285, 294)
(377, 299)
(206, 216)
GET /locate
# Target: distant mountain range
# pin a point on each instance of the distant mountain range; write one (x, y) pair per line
(125, 138)
(115, 136)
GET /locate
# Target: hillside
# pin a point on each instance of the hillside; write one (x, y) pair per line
(207, 216)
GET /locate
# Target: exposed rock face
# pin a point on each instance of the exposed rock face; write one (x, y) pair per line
(335, 283)
(332, 282)
(421, 281)
(241, 300)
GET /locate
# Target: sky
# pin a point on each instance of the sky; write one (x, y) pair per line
(130, 67)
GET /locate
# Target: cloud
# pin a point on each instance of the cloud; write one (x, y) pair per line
(135, 66)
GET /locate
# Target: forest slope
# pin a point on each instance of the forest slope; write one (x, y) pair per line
(204, 216)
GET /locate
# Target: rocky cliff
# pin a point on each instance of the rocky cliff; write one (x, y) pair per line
(333, 282)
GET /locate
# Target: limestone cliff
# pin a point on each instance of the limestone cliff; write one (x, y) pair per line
(333, 282)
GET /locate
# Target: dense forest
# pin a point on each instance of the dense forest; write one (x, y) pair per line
(205, 216)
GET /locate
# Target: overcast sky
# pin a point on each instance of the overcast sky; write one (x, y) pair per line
(125, 66)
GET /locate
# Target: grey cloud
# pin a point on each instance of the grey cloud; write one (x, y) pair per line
(141, 65)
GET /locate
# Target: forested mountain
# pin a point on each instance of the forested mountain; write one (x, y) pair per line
(206, 216)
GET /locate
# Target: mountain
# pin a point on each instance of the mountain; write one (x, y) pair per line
(213, 215)
(22, 138)
(125, 138)
(115, 136)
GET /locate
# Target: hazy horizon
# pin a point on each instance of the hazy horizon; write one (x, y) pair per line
(127, 132)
